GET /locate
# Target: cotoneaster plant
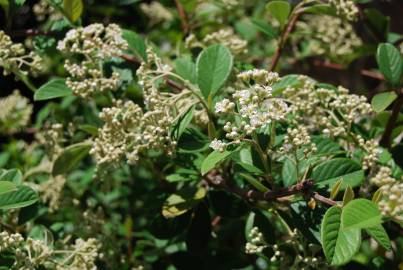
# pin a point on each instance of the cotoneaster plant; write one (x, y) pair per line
(200, 143)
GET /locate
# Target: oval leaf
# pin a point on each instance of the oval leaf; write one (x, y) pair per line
(390, 63)
(73, 9)
(212, 160)
(280, 10)
(332, 170)
(339, 246)
(21, 197)
(52, 89)
(380, 235)
(360, 214)
(213, 67)
(136, 43)
(70, 158)
(182, 201)
(382, 100)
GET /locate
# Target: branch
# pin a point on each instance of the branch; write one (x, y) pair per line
(283, 39)
(30, 33)
(364, 72)
(386, 137)
(182, 16)
(303, 188)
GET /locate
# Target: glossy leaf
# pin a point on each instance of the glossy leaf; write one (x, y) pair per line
(390, 63)
(280, 10)
(73, 9)
(380, 235)
(212, 160)
(182, 201)
(136, 43)
(338, 245)
(332, 170)
(213, 67)
(53, 89)
(382, 100)
(360, 214)
(21, 197)
(70, 157)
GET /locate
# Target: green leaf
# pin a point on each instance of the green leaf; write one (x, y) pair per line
(290, 80)
(73, 9)
(213, 159)
(21, 197)
(213, 67)
(185, 68)
(382, 100)
(53, 89)
(335, 189)
(332, 170)
(338, 245)
(136, 43)
(183, 122)
(280, 10)
(380, 235)
(182, 201)
(377, 196)
(289, 172)
(6, 186)
(360, 214)
(348, 195)
(265, 28)
(390, 63)
(321, 9)
(254, 182)
(13, 175)
(70, 157)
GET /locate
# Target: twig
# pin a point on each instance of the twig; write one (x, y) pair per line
(364, 72)
(30, 33)
(182, 16)
(386, 137)
(303, 188)
(283, 39)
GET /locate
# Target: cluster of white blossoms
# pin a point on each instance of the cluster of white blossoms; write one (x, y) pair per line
(317, 107)
(15, 112)
(330, 35)
(226, 37)
(345, 8)
(14, 58)
(256, 106)
(372, 152)
(391, 203)
(43, 9)
(51, 139)
(257, 243)
(95, 43)
(156, 12)
(296, 138)
(51, 191)
(37, 254)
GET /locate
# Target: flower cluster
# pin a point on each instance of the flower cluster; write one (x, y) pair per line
(329, 35)
(316, 107)
(42, 9)
(372, 152)
(34, 254)
(297, 138)
(96, 43)
(156, 12)
(51, 191)
(15, 112)
(391, 203)
(226, 37)
(15, 59)
(257, 243)
(256, 106)
(345, 8)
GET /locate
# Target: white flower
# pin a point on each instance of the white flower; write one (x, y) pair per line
(218, 145)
